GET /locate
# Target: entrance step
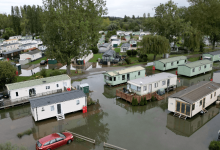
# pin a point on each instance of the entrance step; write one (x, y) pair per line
(60, 117)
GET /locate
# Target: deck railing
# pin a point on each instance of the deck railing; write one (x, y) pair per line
(112, 146)
(82, 137)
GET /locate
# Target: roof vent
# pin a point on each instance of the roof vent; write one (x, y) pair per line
(44, 81)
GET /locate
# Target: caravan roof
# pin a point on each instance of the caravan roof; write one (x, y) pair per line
(126, 70)
(152, 78)
(172, 59)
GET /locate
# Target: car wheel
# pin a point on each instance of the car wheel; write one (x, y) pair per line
(69, 142)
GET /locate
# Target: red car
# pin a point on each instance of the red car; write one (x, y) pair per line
(54, 141)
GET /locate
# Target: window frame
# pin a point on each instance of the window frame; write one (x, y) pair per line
(139, 73)
(200, 102)
(16, 94)
(57, 85)
(52, 107)
(53, 140)
(123, 77)
(77, 102)
(144, 88)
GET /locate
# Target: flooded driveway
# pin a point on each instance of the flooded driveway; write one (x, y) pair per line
(117, 122)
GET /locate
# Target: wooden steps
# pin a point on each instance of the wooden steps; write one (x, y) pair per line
(181, 116)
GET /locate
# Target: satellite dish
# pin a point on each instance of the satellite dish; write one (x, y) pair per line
(141, 83)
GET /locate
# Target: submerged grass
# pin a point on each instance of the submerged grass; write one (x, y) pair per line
(27, 132)
(95, 57)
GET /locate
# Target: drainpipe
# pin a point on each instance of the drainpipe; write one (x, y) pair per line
(36, 113)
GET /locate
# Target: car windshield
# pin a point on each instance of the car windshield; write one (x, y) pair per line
(39, 144)
(42, 61)
(61, 135)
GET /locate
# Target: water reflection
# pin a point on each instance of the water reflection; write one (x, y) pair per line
(110, 92)
(163, 104)
(16, 112)
(189, 126)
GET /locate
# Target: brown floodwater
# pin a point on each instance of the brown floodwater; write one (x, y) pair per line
(116, 122)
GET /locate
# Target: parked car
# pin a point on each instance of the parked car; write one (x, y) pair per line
(54, 141)
(43, 62)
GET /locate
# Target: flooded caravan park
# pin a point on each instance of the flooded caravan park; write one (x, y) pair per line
(117, 122)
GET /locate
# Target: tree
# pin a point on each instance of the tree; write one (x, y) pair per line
(125, 18)
(167, 21)
(7, 73)
(205, 16)
(142, 101)
(105, 23)
(8, 32)
(67, 29)
(154, 44)
(192, 38)
(214, 145)
(133, 17)
(24, 22)
(144, 16)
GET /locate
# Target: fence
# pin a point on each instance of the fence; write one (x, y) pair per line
(112, 146)
(82, 137)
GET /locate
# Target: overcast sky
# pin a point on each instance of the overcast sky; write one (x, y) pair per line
(118, 8)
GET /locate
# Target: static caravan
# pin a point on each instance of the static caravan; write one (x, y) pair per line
(189, 127)
(29, 45)
(57, 105)
(170, 63)
(83, 59)
(38, 87)
(116, 42)
(133, 43)
(194, 99)
(113, 37)
(125, 47)
(104, 47)
(153, 83)
(10, 41)
(195, 68)
(216, 76)
(122, 76)
(213, 56)
(38, 41)
(33, 55)
(127, 37)
(24, 41)
(9, 47)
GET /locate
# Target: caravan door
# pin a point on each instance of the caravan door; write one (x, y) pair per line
(150, 88)
(58, 108)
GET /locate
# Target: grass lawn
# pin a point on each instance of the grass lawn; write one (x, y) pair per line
(95, 57)
(193, 59)
(37, 61)
(117, 50)
(48, 71)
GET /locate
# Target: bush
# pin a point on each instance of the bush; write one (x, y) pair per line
(19, 135)
(9, 146)
(129, 53)
(143, 58)
(214, 145)
(134, 52)
(95, 49)
(134, 102)
(153, 98)
(43, 72)
(145, 101)
(56, 72)
(142, 101)
(128, 61)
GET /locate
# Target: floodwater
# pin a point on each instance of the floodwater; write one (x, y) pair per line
(29, 70)
(116, 122)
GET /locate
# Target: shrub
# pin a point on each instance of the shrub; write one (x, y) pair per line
(142, 101)
(145, 101)
(153, 98)
(134, 52)
(214, 145)
(55, 73)
(95, 50)
(19, 135)
(128, 61)
(43, 72)
(133, 102)
(143, 58)
(129, 53)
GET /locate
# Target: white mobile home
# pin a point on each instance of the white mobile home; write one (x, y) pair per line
(29, 45)
(33, 55)
(10, 41)
(84, 58)
(153, 83)
(125, 47)
(9, 47)
(116, 42)
(15, 37)
(216, 76)
(57, 105)
(38, 87)
(38, 41)
(24, 41)
(194, 99)
(113, 37)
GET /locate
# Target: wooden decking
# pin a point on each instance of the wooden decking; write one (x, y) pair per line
(129, 96)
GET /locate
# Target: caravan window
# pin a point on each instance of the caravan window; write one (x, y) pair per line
(178, 106)
(139, 73)
(215, 94)
(57, 85)
(177, 62)
(193, 106)
(77, 102)
(110, 78)
(199, 68)
(164, 65)
(133, 87)
(138, 89)
(145, 88)
(114, 78)
(205, 66)
(47, 87)
(163, 82)
(171, 63)
(193, 70)
(123, 77)
(52, 108)
(211, 96)
(16, 93)
(155, 85)
(200, 103)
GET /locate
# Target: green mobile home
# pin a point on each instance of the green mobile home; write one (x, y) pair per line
(122, 76)
(195, 68)
(170, 63)
(213, 56)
